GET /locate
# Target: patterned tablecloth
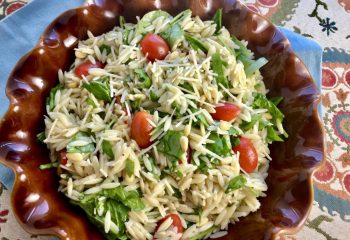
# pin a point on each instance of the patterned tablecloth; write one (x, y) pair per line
(328, 22)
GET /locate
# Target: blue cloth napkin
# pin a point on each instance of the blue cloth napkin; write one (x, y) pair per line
(20, 31)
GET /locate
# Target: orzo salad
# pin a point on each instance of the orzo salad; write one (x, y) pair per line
(160, 129)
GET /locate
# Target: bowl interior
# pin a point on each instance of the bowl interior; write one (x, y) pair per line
(42, 210)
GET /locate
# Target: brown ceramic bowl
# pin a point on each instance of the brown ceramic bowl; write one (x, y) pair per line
(42, 210)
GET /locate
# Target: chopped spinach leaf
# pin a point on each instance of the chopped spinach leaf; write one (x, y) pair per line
(145, 80)
(218, 20)
(81, 136)
(172, 34)
(106, 48)
(236, 183)
(91, 102)
(121, 21)
(100, 89)
(41, 137)
(203, 234)
(48, 166)
(196, 44)
(147, 20)
(50, 101)
(272, 135)
(245, 126)
(107, 148)
(221, 145)
(170, 146)
(218, 67)
(153, 96)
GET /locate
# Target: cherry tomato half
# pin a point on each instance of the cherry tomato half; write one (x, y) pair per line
(63, 157)
(188, 155)
(141, 129)
(248, 157)
(176, 222)
(83, 68)
(226, 112)
(155, 47)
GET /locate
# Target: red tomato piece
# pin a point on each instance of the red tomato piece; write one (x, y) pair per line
(155, 47)
(248, 157)
(188, 155)
(176, 222)
(141, 129)
(226, 112)
(63, 157)
(83, 68)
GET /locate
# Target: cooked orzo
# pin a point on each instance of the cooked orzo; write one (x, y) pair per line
(160, 129)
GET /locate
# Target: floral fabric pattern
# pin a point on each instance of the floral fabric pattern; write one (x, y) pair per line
(328, 23)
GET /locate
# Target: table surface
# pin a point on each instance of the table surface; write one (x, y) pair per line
(327, 22)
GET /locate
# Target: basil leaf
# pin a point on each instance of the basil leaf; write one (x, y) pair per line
(81, 136)
(245, 126)
(100, 89)
(221, 145)
(236, 183)
(41, 137)
(177, 193)
(260, 101)
(119, 214)
(201, 118)
(147, 20)
(233, 131)
(272, 135)
(196, 44)
(172, 34)
(255, 66)
(130, 167)
(50, 101)
(126, 34)
(276, 100)
(121, 21)
(136, 104)
(107, 148)
(130, 199)
(187, 86)
(144, 78)
(203, 234)
(235, 141)
(218, 20)
(218, 67)
(170, 146)
(106, 48)
(48, 166)
(153, 96)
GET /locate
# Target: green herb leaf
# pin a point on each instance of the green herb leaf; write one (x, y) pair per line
(276, 100)
(218, 20)
(41, 137)
(50, 101)
(136, 104)
(170, 146)
(196, 44)
(260, 101)
(221, 145)
(236, 183)
(130, 199)
(203, 234)
(48, 165)
(81, 136)
(121, 21)
(153, 96)
(100, 89)
(106, 48)
(245, 126)
(107, 148)
(272, 135)
(255, 66)
(218, 67)
(144, 78)
(235, 141)
(147, 20)
(130, 167)
(172, 34)
(232, 131)
(177, 193)
(126, 34)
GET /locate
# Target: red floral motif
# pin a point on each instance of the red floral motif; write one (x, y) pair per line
(341, 95)
(329, 78)
(344, 159)
(253, 8)
(346, 182)
(13, 7)
(325, 173)
(347, 78)
(345, 4)
(268, 3)
(3, 215)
